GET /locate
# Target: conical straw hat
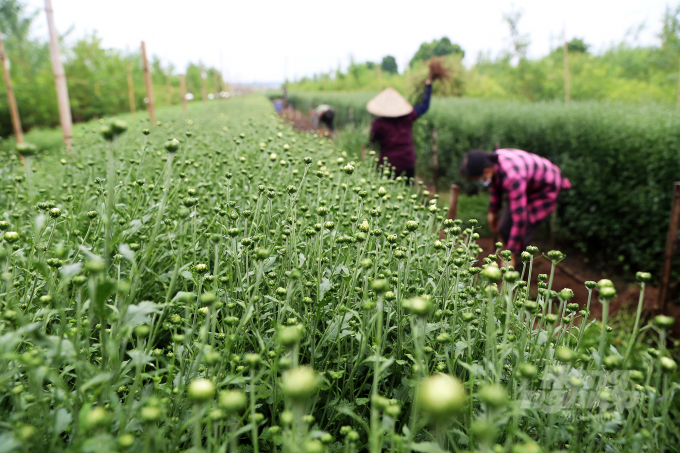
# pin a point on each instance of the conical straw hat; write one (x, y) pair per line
(389, 103)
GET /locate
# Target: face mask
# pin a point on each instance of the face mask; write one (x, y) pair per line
(483, 183)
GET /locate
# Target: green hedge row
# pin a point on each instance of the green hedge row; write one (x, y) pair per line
(622, 160)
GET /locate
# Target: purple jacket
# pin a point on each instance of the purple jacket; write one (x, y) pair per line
(395, 135)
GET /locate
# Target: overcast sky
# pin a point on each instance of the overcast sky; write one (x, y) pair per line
(265, 41)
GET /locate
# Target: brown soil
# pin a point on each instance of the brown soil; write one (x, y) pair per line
(572, 273)
(301, 121)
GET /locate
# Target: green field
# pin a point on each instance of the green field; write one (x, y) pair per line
(250, 288)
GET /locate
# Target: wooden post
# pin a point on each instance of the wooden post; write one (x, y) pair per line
(222, 87)
(204, 92)
(351, 115)
(217, 86)
(59, 77)
(567, 94)
(435, 161)
(168, 86)
(183, 92)
(453, 202)
(11, 100)
(671, 246)
(148, 84)
(363, 153)
(131, 90)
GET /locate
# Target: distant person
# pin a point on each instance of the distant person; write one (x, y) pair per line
(278, 105)
(532, 184)
(325, 115)
(393, 127)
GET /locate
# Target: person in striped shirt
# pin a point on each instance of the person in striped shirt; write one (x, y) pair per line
(532, 184)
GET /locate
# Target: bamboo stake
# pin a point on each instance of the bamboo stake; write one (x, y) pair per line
(131, 90)
(11, 100)
(222, 87)
(203, 88)
(183, 92)
(567, 94)
(671, 246)
(168, 86)
(217, 87)
(59, 77)
(453, 202)
(149, 86)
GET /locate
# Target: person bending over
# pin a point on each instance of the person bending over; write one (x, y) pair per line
(532, 184)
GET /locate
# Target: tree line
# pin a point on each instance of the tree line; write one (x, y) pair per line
(626, 71)
(96, 76)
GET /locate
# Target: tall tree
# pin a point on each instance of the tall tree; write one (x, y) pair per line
(389, 64)
(437, 48)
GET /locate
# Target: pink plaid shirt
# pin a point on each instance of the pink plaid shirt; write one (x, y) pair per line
(532, 184)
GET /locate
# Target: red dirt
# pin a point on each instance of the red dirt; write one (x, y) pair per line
(572, 273)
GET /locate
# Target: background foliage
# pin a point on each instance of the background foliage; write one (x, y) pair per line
(87, 64)
(626, 71)
(621, 158)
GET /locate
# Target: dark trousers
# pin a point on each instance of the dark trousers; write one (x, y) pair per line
(505, 224)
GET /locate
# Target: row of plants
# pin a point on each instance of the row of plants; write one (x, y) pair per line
(224, 283)
(622, 160)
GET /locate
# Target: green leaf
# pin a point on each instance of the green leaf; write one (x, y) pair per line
(62, 420)
(427, 447)
(137, 315)
(125, 250)
(70, 270)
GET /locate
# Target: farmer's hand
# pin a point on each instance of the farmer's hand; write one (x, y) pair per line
(492, 218)
(512, 260)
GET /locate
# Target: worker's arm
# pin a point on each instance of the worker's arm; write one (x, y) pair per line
(374, 135)
(517, 197)
(425, 103)
(495, 202)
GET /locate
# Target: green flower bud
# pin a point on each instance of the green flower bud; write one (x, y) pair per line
(208, 299)
(419, 306)
(26, 149)
(289, 336)
(201, 390)
(97, 418)
(300, 383)
(492, 274)
(664, 321)
(528, 370)
(171, 146)
(564, 354)
(379, 286)
(527, 447)
(494, 395)
(441, 396)
(232, 401)
(643, 277)
(566, 294)
(668, 364)
(11, 236)
(607, 293)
